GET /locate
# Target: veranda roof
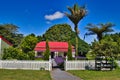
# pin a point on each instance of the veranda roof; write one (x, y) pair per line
(54, 46)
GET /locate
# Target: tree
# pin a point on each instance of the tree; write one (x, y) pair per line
(106, 47)
(99, 30)
(28, 43)
(47, 51)
(63, 32)
(69, 54)
(59, 32)
(40, 38)
(10, 32)
(77, 14)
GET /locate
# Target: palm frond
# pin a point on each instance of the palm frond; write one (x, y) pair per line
(71, 10)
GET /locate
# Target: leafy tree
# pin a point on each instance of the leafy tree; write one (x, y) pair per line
(40, 38)
(69, 54)
(59, 32)
(28, 43)
(77, 14)
(106, 47)
(47, 51)
(63, 32)
(99, 30)
(10, 32)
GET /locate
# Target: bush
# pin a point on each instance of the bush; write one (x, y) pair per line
(47, 52)
(31, 55)
(11, 53)
(14, 53)
(90, 55)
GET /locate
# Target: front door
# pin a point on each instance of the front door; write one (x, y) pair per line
(52, 55)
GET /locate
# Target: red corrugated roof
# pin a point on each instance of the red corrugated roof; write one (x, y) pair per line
(6, 41)
(54, 46)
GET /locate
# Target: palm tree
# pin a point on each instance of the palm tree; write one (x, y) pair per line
(77, 13)
(99, 29)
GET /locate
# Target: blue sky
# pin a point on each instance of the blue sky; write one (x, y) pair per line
(36, 16)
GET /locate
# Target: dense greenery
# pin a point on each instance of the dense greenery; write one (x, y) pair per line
(108, 47)
(24, 51)
(63, 32)
(47, 51)
(77, 14)
(59, 32)
(97, 75)
(28, 43)
(10, 32)
(14, 53)
(24, 75)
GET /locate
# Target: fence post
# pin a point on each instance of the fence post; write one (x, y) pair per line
(50, 64)
(65, 64)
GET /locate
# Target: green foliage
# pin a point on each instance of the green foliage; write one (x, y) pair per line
(106, 47)
(28, 43)
(14, 53)
(59, 32)
(90, 55)
(10, 32)
(31, 55)
(40, 38)
(99, 29)
(47, 51)
(63, 32)
(77, 14)
(69, 54)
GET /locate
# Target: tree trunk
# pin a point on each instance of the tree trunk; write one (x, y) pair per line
(76, 45)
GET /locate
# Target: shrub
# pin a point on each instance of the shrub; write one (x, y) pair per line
(11, 53)
(47, 52)
(14, 53)
(69, 54)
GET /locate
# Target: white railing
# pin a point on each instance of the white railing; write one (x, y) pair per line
(19, 64)
(79, 65)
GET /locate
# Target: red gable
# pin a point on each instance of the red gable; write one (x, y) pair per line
(6, 41)
(54, 46)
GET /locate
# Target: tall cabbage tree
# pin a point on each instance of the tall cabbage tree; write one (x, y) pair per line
(77, 13)
(99, 29)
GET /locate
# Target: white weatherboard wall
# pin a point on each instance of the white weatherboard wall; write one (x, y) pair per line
(3, 45)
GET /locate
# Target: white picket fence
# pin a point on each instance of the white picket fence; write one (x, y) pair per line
(79, 64)
(31, 65)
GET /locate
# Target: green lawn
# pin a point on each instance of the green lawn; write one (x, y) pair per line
(24, 75)
(97, 75)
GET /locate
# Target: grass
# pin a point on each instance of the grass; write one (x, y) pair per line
(97, 75)
(24, 75)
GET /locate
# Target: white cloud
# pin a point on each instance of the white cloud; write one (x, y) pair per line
(56, 15)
